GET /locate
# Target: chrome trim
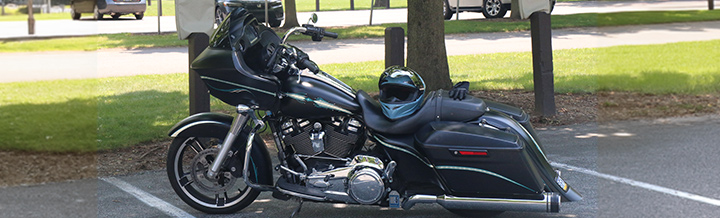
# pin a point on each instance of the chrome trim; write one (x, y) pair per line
(314, 198)
(176, 133)
(549, 203)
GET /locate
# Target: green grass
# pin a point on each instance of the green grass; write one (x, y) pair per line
(451, 27)
(685, 67)
(168, 8)
(92, 43)
(90, 114)
(338, 5)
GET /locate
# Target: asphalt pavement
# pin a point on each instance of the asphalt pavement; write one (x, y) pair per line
(655, 168)
(150, 24)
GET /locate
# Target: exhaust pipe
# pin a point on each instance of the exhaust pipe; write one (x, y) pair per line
(550, 203)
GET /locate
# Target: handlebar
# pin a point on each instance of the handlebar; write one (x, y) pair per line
(317, 33)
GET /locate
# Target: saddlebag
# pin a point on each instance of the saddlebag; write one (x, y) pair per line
(479, 161)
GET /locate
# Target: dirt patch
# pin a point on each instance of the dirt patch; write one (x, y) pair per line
(25, 168)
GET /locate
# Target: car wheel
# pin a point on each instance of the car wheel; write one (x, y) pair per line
(96, 14)
(219, 17)
(116, 16)
(75, 15)
(447, 12)
(140, 16)
(493, 9)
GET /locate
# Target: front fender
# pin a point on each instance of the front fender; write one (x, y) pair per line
(217, 125)
(202, 125)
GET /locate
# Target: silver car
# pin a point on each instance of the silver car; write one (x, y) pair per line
(489, 8)
(114, 8)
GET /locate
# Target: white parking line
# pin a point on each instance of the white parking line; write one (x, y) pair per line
(147, 198)
(639, 184)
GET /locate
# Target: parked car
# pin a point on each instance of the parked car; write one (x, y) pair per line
(489, 8)
(114, 8)
(255, 7)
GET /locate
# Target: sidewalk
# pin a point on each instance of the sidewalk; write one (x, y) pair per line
(117, 62)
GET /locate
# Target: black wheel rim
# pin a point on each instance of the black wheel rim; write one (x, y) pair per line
(210, 199)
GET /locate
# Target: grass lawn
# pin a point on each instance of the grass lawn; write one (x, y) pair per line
(451, 27)
(338, 5)
(90, 114)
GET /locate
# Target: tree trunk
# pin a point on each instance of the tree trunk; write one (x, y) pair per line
(381, 3)
(290, 15)
(426, 43)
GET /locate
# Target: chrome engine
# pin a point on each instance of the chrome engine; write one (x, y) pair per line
(325, 166)
(360, 181)
(336, 137)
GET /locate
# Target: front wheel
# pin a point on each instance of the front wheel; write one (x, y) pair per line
(187, 164)
(493, 9)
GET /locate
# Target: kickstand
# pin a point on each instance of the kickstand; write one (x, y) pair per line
(298, 208)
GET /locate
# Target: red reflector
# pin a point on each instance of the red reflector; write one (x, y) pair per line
(479, 153)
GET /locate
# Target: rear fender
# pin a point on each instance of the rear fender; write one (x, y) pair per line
(502, 120)
(218, 125)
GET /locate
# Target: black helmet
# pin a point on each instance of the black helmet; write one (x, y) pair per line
(401, 92)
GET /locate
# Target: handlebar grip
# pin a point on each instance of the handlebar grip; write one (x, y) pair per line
(331, 34)
(310, 65)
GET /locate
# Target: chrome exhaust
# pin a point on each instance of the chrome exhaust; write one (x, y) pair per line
(550, 203)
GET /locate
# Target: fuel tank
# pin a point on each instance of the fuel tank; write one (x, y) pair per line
(308, 96)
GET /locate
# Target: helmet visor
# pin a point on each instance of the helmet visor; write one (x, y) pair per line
(392, 93)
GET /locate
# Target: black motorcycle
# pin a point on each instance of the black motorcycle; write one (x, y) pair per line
(334, 144)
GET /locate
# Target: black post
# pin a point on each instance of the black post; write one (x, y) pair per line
(31, 18)
(394, 46)
(317, 5)
(3, 8)
(199, 97)
(542, 63)
(352, 4)
(711, 5)
(149, 2)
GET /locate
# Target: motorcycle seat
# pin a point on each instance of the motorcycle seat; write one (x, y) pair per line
(437, 106)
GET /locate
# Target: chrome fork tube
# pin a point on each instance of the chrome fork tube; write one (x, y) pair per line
(237, 126)
(259, 124)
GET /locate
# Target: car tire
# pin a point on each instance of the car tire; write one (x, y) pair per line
(96, 14)
(75, 15)
(493, 9)
(274, 22)
(219, 16)
(140, 16)
(447, 12)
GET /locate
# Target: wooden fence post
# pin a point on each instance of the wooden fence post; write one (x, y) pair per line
(394, 46)
(199, 97)
(541, 34)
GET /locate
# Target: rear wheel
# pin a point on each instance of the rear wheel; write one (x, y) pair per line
(140, 16)
(187, 164)
(493, 9)
(475, 213)
(447, 12)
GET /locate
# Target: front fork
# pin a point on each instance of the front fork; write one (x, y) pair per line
(245, 113)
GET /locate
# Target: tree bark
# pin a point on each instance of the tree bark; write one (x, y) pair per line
(381, 3)
(426, 43)
(290, 15)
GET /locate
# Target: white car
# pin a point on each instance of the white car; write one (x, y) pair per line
(489, 8)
